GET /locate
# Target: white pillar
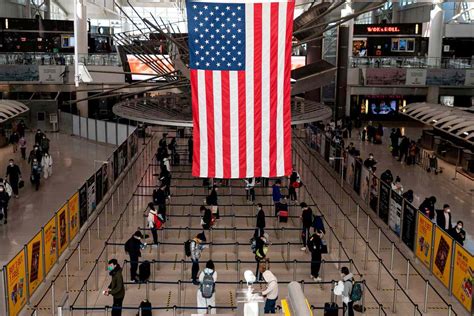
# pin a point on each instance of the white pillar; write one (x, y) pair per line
(435, 41)
(80, 50)
(350, 24)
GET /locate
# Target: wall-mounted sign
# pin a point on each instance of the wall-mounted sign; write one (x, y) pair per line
(388, 29)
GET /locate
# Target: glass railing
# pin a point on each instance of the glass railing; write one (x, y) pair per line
(411, 62)
(59, 59)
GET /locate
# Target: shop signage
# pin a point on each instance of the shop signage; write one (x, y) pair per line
(388, 29)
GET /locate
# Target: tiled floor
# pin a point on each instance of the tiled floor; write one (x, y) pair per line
(73, 163)
(459, 193)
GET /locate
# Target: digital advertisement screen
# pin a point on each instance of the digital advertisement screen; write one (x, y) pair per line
(382, 107)
(298, 61)
(144, 70)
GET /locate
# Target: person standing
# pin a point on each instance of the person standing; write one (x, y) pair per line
(315, 244)
(152, 222)
(458, 233)
(250, 189)
(427, 207)
(206, 218)
(14, 138)
(116, 287)
(44, 144)
(443, 218)
(276, 192)
(22, 143)
(260, 225)
(14, 176)
(20, 128)
(344, 288)
(133, 248)
(196, 250)
(38, 136)
(261, 250)
(4, 199)
(190, 149)
(47, 165)
(159, 198)
(403, 149)
(271, 292)
(206, 294)
(307, 222)
(294, 179)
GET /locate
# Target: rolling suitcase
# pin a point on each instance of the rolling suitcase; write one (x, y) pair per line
(144, 271)
(331, 309)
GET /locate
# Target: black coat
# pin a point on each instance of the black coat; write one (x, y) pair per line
(133, 247)
(159, 197)
(212, 198)
(13, 173)
(441, 220)
(427, 208)
(260, 219)
(307, 217)
(4, 198)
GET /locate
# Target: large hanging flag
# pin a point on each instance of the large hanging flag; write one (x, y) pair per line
(240, 60)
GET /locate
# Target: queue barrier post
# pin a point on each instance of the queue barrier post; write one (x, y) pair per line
(379, 274)
(379, 236)
(425, 302)
(395, 282)
(392, 253)
(408, 274)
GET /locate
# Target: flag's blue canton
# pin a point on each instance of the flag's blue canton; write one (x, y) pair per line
(216, 35)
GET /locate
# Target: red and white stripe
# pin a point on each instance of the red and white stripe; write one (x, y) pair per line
(242, 119)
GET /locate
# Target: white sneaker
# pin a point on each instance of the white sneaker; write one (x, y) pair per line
(303, 248)
(318, 279)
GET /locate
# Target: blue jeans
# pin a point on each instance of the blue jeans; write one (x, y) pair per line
(195, 270)
(270, 306)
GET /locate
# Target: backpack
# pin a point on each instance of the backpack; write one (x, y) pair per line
(208, 285)
(253, 244)
(187, 248)
(157, 222)
(356, 293)
(145, 308)
(144, 271)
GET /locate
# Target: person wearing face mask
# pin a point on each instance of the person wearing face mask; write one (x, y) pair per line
(14, 176)
(35, 173)
(370, 163)
(38, 136)
(47, 165)
(443, 218)
(22, 143)
(4, 199)
(458, 233)
(260, 225)
(35, 153)
(116, 287)
(344, 288)
(133, 248)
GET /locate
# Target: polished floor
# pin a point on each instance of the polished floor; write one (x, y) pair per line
(73, 162)
(458, 193)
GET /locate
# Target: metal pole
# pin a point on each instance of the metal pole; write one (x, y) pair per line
(391, 256)
(408, 274)
(395, 282)
(288, 251)
(88, 241)
(98, 227)
(378, 241)
(53, 301)
(67, 275)
(379, 274)
(79, 256)
(294, 269)
(425, 302)
(368, 228)
(96, 274)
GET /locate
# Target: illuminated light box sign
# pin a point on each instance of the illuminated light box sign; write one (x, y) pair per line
(388, 29)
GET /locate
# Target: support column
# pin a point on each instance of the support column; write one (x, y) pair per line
(47, 12)
(314, 54)
(433, 95)
(395, 12)
(80, 51)
(435, 41)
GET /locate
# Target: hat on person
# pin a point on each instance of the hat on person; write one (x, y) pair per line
(138, 234)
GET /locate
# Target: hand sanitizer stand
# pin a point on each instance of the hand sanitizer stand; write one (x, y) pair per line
(249, 303)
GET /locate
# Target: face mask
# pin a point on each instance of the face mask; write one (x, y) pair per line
(1, 190)
(11, 163)
(110, 268)
(459, 227)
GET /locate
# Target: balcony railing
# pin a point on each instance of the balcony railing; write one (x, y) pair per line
(411, 62)
(59, 59)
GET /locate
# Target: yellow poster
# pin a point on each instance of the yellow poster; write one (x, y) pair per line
(73, 205)
(423, 239)
(62, 229)
(443, 249)
(16, 278)
(463, 276)
(35, 262)
(50, 244)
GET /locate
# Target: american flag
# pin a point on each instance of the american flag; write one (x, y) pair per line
(240, 60)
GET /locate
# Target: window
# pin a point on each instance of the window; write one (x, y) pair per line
(403, 45)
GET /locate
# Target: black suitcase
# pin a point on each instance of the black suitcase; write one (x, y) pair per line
(331, 309)
(144, 271)
(145, 307)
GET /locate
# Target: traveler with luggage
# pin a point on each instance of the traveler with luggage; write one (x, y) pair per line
(271, 292)
(307, 222)
(116, 287)
(349, 290)
(159, 199)
(155, 222)
(261, 250)
(14, 176)
(206, 294)
(193, 249)
(281, 210)
(4, 199)
(133, 248)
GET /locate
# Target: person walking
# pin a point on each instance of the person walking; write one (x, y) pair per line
(14, 139)
(206, 294)
(116, 288)
(44, 144)
(403, 149)
(165, 178)
(20, 128)
(159, 199)
(315, 245)
(22, 143)
(47, 165)
(35, 173)
(260, 225)
(307, 222)
(4, 199)
(261, 250)
(271, 292)
(133, 248)
(35, 153)
(196, 249)
(250, 189)
(38, 136)
(206, 218)
(13, 175)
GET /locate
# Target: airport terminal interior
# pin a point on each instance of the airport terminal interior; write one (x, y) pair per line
(236, 157)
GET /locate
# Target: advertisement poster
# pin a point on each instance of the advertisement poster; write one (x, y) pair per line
(445, 77)
(83, 204)
(50, 244)
(357, 174)
(443, 248)
(424, 237)
(415, 77)
(463, 276)
(409, 225)
(16, 280)
(62, 228)
(98, 186)
(105, 179)
(395, 214)
(73, 205)
(385, 76)
(51, 74)
(374, 192)
(384, 203)
(35, 262)
(350, 170)
(91, 195)
(365, 184)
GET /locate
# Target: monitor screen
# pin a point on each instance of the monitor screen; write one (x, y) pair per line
(144, 71)
(382, 107)
(298, 61)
